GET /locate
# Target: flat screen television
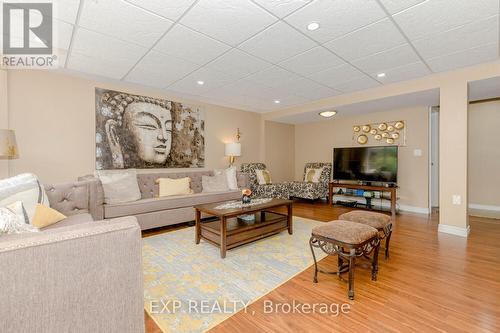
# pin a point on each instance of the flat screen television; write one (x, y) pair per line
(369, 164)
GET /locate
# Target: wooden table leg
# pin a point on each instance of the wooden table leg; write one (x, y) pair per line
(393, 205)
(197, 226)
(289, 219)
(330, 194)
(223, 231)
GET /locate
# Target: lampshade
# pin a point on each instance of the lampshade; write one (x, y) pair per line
(8, 146)
(233, 149)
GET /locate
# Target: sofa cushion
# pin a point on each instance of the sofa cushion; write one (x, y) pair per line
(345, 232)
(71, 220)
(119, 186)
(157, 204)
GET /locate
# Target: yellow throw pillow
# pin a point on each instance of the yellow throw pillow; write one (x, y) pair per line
(169, 186)
(313, 175)
(45, 216)
(263, 177)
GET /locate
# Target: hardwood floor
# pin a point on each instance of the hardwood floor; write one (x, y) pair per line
(433, 282)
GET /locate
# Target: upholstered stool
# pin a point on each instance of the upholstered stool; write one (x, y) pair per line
(348, 240)
(379, 221)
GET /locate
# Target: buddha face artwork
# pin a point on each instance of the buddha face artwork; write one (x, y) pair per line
(143, 132)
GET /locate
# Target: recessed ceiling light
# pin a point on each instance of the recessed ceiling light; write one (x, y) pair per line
(200, 82)
(277, 101)
(313, 26)
(381, 75)
(327, 114)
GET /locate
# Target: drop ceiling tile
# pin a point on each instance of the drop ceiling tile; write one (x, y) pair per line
(282, 8)
(171, 9)
(394, 6)
(212, 79)
(182, 42)
(368, 40)
(124, 21)
(312, 61)
(97, 66)
(64, 10)
(306, 89)
(407, 72)
(357, 85)
(230, 21)
(97, 45)
(238, 63)
(435, 16)
(160, 70)
(462, 38)
(379, 62)
(277, 43)
(244, 88)
(334, 76)
(272, 77)
(336, 18)
(481, 54)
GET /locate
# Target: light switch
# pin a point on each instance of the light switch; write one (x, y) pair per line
(417, 152)
(457, 199)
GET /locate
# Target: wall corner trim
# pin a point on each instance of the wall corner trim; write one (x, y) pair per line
(453, 230)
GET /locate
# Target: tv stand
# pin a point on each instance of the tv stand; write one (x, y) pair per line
(391, 190)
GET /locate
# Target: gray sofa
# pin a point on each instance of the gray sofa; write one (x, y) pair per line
(78, 275)
(152, 211)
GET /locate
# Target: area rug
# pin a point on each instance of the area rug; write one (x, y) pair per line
(189, 288)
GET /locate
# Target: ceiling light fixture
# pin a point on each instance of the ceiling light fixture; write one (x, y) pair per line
(201, 82)
(327, 114)
(380, 75)
(313, 26)
(277, 101)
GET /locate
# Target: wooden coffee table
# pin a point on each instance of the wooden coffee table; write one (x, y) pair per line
(228, 231)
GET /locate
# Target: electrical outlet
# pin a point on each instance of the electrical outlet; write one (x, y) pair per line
(417, 152)
(457, 199)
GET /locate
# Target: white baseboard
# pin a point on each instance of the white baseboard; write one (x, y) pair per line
(453, 230)
(412, 209)
(484, 207)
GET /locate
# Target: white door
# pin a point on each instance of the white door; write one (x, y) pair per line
(434, 160)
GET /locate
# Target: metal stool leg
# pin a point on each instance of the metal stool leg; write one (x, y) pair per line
(352, 265)
(315, 279)
(375, 263)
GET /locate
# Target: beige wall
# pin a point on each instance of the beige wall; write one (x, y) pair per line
(484, 153)
(54, 118)
(315, 143)
(4, 117)
(280, 150)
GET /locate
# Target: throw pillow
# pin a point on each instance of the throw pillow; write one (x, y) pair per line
(25, 188)
(45, 216)
(217, 183)
(169, 186)
(119, 186)
(313, 175)
(232, 181)
(14, 219)
(263, 177)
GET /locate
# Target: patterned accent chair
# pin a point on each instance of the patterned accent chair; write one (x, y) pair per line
(279, 190)
(312, 191)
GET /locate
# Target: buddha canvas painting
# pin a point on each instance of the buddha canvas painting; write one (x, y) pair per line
(143, 132)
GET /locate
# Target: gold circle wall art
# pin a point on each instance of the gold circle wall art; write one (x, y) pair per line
(391, 132)
(362, 139)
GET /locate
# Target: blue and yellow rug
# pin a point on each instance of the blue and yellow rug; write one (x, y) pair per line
(189, 288)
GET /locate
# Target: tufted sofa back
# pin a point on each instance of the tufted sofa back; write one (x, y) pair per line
(73, 198)
(149, 188)
(325, 174)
